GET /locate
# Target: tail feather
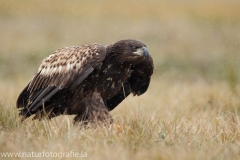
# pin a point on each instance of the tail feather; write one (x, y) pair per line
(22, 100)
(30, 103)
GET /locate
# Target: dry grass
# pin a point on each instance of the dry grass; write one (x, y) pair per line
(192, 108)
(170, 124)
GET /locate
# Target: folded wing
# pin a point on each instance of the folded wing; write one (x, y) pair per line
(65, 68)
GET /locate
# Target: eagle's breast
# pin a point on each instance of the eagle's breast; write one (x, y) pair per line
(109, 79)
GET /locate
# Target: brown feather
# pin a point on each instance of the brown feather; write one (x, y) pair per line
(67, 57)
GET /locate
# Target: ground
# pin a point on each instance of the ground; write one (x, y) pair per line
(192, 107)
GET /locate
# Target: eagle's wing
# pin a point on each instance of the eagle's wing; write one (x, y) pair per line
(137, 83)
(65, 68)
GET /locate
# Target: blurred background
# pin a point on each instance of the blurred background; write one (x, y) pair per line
(191, 41)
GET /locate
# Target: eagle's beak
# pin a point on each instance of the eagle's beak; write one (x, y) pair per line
(145, 52)
(142, 52)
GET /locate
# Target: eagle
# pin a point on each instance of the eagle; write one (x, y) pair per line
(87, 81)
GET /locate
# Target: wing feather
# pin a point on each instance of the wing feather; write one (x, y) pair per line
(65, 68)
(66, 62)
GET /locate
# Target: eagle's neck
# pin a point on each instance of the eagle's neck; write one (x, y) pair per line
(114, 49)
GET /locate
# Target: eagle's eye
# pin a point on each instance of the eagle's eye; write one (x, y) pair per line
(134, 48)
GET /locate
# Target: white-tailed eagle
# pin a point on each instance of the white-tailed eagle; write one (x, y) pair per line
(88, 81)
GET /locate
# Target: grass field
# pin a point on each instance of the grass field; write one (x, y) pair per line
(191, 109)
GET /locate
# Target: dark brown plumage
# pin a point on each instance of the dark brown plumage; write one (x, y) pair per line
(88, 81)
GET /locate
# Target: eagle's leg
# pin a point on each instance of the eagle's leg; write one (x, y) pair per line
(95, 111)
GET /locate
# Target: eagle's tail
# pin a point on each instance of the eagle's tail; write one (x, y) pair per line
(30, 103)
(22, 103)
(22, 100)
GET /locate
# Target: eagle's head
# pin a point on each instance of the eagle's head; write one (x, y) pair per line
(130, 50)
